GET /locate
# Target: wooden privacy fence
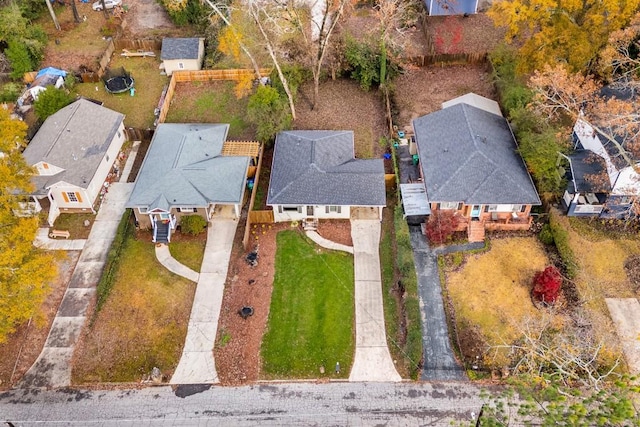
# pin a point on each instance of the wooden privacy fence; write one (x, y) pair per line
(211, 75)
(201, 75)
(261, 217)
(141, 44)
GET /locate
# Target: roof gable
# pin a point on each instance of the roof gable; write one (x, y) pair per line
(469, 155)
(184, 167)
(74, 139)
(319, 168)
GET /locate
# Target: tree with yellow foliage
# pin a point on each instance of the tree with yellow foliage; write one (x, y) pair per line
(25, 271)
(569, 32)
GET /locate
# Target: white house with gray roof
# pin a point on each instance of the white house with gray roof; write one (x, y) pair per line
(72, 154)
(179, 54)
(470, 165)
(315, 175)
(186, 173)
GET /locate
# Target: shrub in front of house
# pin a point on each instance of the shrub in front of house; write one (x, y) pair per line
(193, 224)
(546, 285)
(441, 226)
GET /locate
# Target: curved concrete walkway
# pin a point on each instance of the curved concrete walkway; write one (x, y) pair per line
(197, 365)
(372, 361)
(328, 244)
(164, 257)
(53, 366)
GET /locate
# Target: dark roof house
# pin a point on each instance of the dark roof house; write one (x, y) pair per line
(180, 48)
(469, 155)
(318, 167)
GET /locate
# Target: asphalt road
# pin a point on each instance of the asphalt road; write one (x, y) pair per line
(439, 361)
(267, 404)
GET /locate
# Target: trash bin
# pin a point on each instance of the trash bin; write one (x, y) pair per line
(416, 159)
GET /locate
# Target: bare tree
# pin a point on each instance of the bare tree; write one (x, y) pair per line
(53, 15)
(222, 11)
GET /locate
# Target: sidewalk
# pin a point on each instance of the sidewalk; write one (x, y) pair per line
(326, 243)
(197, 365)
(43, 241)
(164, 257)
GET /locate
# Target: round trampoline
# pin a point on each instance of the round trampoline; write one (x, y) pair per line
(117, 81)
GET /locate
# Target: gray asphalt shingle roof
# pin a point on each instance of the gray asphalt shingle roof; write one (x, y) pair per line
(586, 167)
(184, 168)
(316, 167)
(469, 155)
(179, 48)
(76, 139)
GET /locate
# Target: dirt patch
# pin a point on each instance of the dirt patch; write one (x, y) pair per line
(145, 18)
(422, 91)
(341, 105)
(632, 267)
(23, 347)
(237, 349)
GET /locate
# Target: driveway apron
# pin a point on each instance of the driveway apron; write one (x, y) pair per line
(53, 366)
(439, 361)
(372, 361)
(197, 365)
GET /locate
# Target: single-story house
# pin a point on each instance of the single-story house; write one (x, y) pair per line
(186, 172)
(450, 7)
(315, 175)
(600, 183)
(181, 54)
(73, 153)
(470, 165)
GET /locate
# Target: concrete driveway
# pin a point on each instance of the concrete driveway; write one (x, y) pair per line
(372, 361)
(53, 366)
(197, 365)
(439, 361)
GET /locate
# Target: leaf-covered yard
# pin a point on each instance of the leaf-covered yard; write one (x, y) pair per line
(142, 325)
(490, 293)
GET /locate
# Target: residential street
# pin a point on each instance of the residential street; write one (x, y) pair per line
(272, 404)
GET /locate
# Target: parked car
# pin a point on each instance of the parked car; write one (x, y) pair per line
(109, 4)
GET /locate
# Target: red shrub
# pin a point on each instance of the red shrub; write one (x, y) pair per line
(441, 226)
(546, 285)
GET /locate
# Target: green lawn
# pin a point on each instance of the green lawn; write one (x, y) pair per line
(138, 110)
(142, 324)
(74, 223)
(189, 253)
(211, 102)
(311, 320)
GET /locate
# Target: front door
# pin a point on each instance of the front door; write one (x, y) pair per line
(475, 211)
(310, 211)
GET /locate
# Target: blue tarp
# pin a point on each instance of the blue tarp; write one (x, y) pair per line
(51, 70)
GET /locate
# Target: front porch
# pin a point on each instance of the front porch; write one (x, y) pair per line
(476, 227)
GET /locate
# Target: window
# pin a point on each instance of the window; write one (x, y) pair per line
(283, 209)
(71, 196)
(143, 210)
(187, 210)
(45, 165)
(333, 209)
(449, 205)
(181, 65)
(119, 134)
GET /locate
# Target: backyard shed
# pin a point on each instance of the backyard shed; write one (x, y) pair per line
(181, 54)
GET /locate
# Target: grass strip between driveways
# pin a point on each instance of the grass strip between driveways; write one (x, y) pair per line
(311, 319)
(396, 259)
(142, 323)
